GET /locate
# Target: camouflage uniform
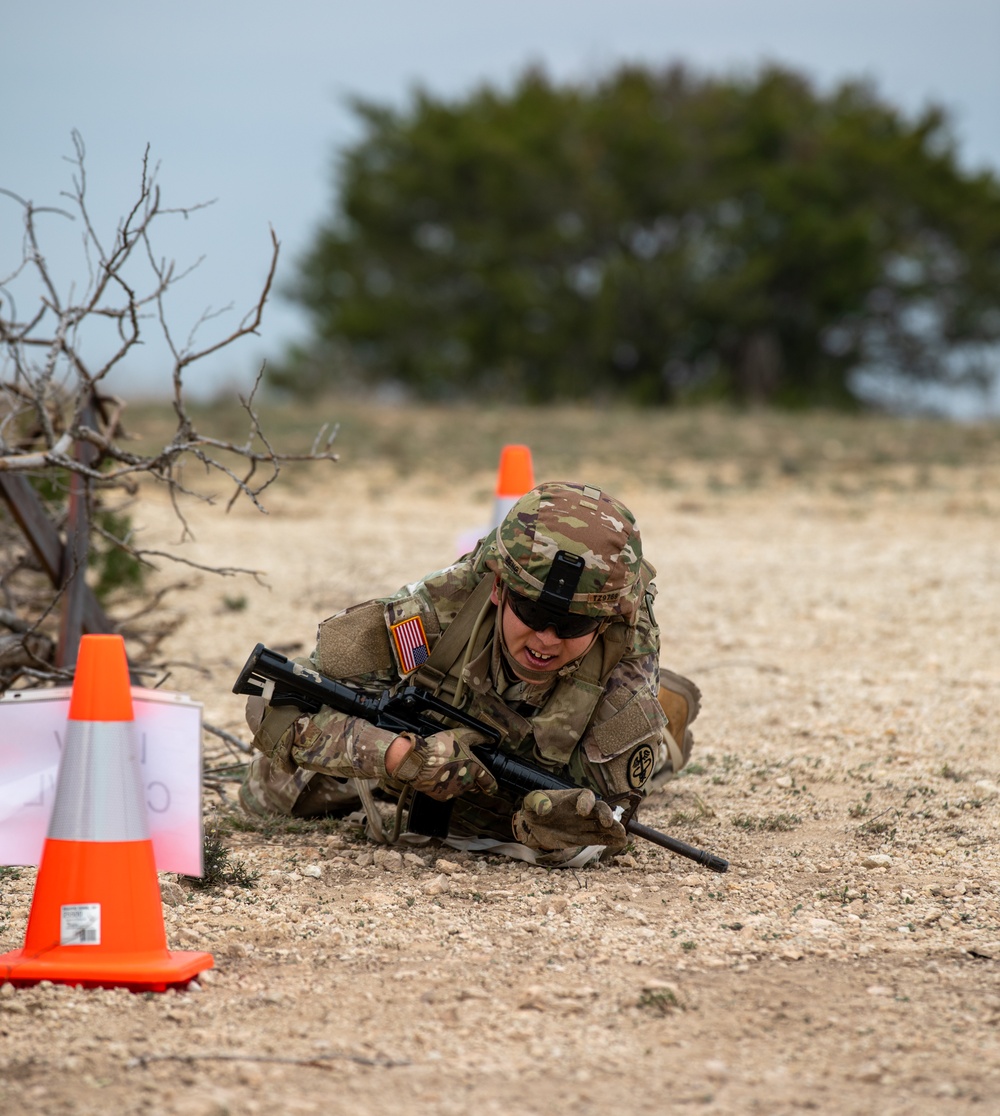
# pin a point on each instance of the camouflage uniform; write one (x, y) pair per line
(598, 721)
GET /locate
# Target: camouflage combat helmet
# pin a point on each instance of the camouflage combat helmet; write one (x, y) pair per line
(572, 548)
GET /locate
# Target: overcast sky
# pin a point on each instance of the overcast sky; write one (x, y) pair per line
(244, 103)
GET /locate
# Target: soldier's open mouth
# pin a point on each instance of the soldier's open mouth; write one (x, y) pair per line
(537, 658)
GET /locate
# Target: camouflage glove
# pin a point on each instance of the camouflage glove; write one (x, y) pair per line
(565, 819)
(442, 765)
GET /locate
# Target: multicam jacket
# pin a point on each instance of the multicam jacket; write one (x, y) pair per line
(598, 722)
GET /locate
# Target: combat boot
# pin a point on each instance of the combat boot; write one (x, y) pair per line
(680, 700)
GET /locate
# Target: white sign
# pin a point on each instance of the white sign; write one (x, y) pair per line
(168, 732)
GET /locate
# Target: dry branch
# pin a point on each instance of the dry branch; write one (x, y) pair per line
(63, 454)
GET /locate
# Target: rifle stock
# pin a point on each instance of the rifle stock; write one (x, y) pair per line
(281, 681)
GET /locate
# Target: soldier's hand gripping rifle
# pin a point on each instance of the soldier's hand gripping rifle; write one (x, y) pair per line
(280, 681)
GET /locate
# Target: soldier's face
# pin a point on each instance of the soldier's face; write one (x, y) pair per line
(539, 650)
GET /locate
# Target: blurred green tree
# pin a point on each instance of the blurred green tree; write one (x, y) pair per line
(652, 235)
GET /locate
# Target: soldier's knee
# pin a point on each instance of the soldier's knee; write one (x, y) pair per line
(266, 791)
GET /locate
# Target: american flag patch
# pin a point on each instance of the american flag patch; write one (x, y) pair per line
(411, 643)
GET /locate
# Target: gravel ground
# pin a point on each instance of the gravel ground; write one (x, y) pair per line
(844, 635)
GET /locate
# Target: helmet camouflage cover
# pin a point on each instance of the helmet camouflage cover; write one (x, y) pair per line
(583, 521)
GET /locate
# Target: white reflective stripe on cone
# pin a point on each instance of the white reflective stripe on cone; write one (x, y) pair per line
(99, 795)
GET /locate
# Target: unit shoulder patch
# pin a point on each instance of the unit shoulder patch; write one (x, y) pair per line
(640, 766)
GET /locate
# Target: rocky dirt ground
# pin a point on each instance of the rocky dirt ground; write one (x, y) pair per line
(844, 630)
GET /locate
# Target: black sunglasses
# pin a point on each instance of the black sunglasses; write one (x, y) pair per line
(568, 625)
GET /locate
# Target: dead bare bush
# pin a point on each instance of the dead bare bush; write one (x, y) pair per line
(69, 560)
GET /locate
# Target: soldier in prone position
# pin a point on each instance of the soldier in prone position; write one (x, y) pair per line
(546, 632)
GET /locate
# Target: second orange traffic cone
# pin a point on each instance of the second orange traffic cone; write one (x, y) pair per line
(515, 477)
(96, 918)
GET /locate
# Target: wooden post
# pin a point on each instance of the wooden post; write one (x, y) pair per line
(73, 575)
(64, 564)
(30, 515)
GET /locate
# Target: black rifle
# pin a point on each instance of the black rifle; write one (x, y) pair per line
(280, 681)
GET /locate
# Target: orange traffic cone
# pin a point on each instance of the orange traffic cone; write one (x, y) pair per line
(96, 918)
(515, 477)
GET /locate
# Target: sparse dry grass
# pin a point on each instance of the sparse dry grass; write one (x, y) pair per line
(747, 447)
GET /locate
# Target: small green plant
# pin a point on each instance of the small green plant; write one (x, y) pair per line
(660, 1001)
(235, 604)
(116, 568)
(876, 827)
(220, 870)
(861, 809)
(276, 825)
(773, 823)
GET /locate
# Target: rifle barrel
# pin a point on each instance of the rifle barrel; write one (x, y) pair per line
(701, 856)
